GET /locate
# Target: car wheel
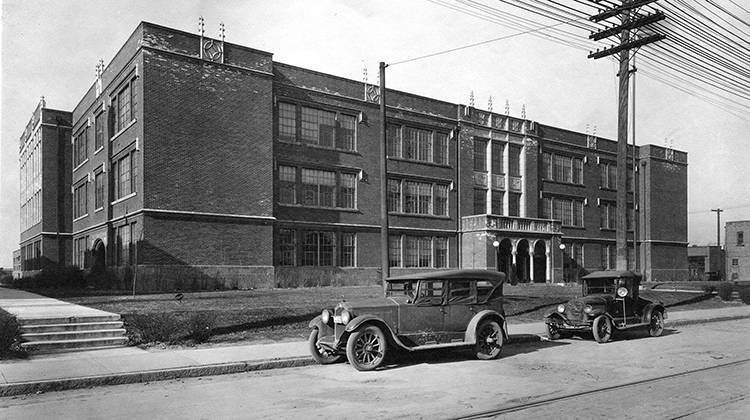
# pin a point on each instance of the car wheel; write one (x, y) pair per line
(602, 329)
(321, 354)
(553, 332)
(656, 327)
(366, 348)
(489, 343)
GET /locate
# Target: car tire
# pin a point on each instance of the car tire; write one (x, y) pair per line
(489, 342)
(321, 355)
(366, 348)
(602, 329)
(656, 325)
(553, 332)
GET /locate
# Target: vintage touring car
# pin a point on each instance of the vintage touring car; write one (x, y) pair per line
(610, 303)
(419, 312)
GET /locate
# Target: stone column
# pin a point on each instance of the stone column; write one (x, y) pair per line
(531, 264)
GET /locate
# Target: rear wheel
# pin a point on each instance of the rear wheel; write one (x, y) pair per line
(489, 343)
(366, 348)
(602, 329)
(321, 354)
(656, 326)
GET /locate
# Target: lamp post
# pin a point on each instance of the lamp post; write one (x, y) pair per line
(496, 244)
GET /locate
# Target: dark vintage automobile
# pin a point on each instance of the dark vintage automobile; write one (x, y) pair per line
(610, 303)
(419, 312)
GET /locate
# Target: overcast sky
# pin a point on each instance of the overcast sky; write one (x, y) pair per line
(51, 48)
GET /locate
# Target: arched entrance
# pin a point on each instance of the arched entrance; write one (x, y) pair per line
(540, 262)
(98, 254)
(523, 261)
(505, 257)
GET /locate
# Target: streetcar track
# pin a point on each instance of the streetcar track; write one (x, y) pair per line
(521, 407)
(731, 401)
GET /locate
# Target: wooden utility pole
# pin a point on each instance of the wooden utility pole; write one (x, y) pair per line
(384, 263)
(718, 226)
(630, 20)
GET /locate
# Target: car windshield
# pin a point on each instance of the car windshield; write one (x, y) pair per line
(599, 286)
(400, 288)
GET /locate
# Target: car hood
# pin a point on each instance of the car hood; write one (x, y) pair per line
(367, 304)
(594, 300)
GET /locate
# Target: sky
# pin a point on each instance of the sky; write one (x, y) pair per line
(50, 49)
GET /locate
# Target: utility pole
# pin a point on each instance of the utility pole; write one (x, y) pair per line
(384, 263)
(630, 20)
(718, 226)
(635, 177)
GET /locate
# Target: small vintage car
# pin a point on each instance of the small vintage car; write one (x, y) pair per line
(420, 311)
(610, 303)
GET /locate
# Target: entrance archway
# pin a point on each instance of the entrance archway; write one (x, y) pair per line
(540, 262)
(522, 261)
(98, 254)
(505, 257)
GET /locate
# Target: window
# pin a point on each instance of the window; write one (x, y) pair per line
(80, 200)
(123, 245)
(318, 187)
(347, 249)
(417, 251)
(393, 137)
(125, 103)
(441, 252)
(497, 202)
(608, 215)
(514, 204)
(316, 127)
(735, 261)
(561, 168)
(287, 247)
(418, 197)
(608, 175)
(99, 131)
(460, 292)
(740, 238)
(514, 160)
(567, 210)
(497, 157)
(418, 144)
(287, 185)
(99, 190)
(609, 257)
(347, 191)
(287, 121)
(394, 250)
(480, 155)
(317, 248)
(441, 148)
(80, 250)
(430, 292)
(123, 185)
(81, 147)
(547, 166)
(480, 201)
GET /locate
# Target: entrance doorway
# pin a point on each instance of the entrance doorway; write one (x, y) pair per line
(540, 262)
(98, 254)
(523, 261)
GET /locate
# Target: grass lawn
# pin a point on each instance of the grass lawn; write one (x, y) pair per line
(283, 314)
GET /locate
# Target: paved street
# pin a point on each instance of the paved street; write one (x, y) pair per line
(449, 384)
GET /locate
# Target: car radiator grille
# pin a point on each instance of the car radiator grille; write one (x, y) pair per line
(574, 311)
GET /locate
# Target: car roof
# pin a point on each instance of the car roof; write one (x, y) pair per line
(611, 274)
(471, 274)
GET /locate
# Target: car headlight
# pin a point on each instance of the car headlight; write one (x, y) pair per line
(325, 316)
(346, 316)
(588, 309)
(561, 308)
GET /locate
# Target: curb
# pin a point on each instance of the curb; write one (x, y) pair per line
(20, 388)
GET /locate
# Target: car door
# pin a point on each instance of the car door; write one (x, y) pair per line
(460, 308)
(421, 322)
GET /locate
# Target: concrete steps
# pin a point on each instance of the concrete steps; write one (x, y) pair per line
(58, 334)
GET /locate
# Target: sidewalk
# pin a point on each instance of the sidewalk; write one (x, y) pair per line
(132, 365)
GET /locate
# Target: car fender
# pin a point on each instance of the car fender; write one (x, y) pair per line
(649, 310)
(470, 336)
(317, 322)
(554, 315)
(358, 321)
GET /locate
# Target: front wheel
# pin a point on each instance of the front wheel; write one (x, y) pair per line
(602, 329)
(366, 348)
(553, 331)
(489, 343)
(321, 354)
(656, 326)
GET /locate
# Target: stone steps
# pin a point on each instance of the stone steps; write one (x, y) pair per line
(53, 346)
(74, 333)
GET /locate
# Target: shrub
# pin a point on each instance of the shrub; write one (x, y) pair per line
(725, 291)
(47, 278)
(200, 325)
(153, 328)
(10, 337)
(745, 295)
(709, 288)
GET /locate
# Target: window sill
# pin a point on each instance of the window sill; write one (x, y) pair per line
(428, 216)
(85, 161)
(316, 146)
(98, 209)
(569, 184)
(421, 162)
(122, 130)
(99, 149)
(121, 199)
(81, 217)
(302, 206)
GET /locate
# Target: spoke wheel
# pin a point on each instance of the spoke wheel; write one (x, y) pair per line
(321, 354)
(657, 324)
(489, 343)
(602, 329)
(366, 348)
(553, 332)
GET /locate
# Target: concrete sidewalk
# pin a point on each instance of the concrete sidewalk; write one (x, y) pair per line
(131, 365)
